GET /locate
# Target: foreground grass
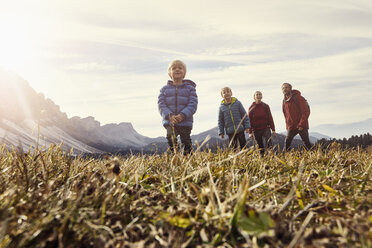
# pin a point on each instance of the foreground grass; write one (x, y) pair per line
(316, 198)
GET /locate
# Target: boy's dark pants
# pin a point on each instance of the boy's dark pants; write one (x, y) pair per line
(304, 133)
(184, 133)
(238, 137)
(260, 136)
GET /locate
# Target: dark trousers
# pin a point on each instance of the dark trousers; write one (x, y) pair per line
(262, 136)
(184, 133)
(304, 133)
(239, 137)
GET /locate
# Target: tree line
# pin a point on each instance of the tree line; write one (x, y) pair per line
(363, 141)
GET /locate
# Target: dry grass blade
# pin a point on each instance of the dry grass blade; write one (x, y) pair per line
(292, 193)
(205, 141)
(216, 193)
(300, 232)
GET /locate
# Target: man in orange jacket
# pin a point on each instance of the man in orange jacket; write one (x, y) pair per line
(296, 113)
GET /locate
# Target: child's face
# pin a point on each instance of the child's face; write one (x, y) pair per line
(226, 94)
(177, 72)
(258, 95)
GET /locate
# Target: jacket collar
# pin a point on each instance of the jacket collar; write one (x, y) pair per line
(233, 99)
(184, 82)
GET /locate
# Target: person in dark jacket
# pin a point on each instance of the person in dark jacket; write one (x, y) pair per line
(177, 103)
(232, 119)
(296, 113)
(261, 121)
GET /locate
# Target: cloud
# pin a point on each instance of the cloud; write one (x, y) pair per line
(91, 67)
(227, 52)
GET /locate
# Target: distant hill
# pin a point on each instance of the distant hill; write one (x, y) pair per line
(215, 141)
(345, 130)
(213, 132)
(319, 135)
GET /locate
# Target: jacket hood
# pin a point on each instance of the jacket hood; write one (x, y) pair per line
(294, 92)
(184, 82)
(254, 104)
(233, 99)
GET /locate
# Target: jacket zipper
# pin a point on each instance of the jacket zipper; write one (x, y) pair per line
(176, 99)
(232, 118)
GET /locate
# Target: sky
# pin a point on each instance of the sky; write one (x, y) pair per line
(109, 59)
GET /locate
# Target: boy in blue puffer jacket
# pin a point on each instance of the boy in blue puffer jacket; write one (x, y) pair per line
(177, 103)
(233, 119)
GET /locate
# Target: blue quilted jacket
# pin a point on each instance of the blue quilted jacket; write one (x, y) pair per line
(230, 116)
(180, 99)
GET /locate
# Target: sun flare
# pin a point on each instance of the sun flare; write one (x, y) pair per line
(15, 43)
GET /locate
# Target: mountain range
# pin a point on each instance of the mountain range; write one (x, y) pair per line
(28, 119)
(346, 130)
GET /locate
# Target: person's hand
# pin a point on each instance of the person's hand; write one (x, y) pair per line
(274, 133)
(222, 136)
(178, 118)
(247, 130)
(300, 128)
(172, 119)
(251, 136)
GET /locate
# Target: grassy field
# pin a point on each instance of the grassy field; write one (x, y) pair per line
(295, 199)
